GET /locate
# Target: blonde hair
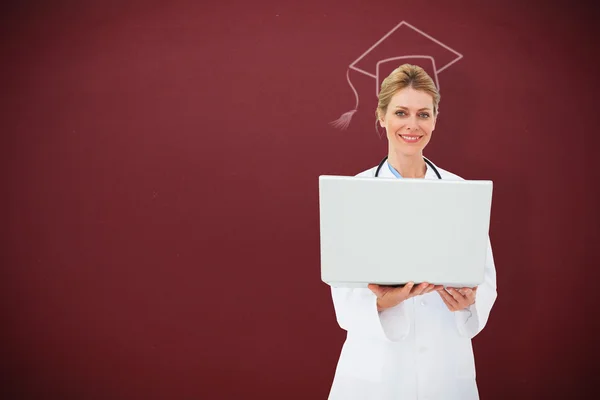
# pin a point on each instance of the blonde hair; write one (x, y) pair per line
(406, 75)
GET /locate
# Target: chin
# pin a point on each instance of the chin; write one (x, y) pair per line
(409, 151)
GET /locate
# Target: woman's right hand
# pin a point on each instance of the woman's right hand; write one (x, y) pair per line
(390, 296)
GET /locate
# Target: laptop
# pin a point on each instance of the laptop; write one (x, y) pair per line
(391, 231)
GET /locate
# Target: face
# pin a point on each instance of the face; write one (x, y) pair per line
(409, 121)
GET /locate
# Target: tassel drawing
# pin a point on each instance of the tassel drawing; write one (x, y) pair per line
(344, 120)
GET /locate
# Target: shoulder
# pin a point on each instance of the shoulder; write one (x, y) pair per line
(368, 173)
(449, 176)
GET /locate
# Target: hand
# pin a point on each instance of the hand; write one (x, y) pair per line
(458, 299)
(390, 296)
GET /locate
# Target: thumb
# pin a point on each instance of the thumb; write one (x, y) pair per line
(375, 289)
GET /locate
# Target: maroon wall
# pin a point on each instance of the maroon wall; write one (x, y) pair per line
(160, 164)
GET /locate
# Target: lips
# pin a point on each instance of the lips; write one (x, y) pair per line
(411, 138)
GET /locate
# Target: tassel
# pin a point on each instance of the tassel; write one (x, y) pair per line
(344, 120)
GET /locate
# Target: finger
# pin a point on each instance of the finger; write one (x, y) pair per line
(375, 289)
(458, 296)
(448, 299)
(470, 295)
(407, 289)
(446, 296)
(418, 289)
(450, 306)
(467, 291)
(428, 289)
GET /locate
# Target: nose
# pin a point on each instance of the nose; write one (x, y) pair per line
(411, 124)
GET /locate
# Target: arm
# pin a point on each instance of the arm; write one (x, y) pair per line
(377, 312)
(473, 319)
(356, 312)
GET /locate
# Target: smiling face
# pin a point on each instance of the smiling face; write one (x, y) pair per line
(409, 121)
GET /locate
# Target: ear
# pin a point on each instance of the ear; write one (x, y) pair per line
(381, 118)
(435, 118)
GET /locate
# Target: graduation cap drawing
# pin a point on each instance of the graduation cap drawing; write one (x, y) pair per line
(403, 44)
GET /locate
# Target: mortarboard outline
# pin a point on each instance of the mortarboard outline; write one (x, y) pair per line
(344, 120)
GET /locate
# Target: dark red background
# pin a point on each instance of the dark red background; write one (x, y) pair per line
(160, 164)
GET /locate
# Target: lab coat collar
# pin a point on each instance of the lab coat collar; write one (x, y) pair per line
(385, 172)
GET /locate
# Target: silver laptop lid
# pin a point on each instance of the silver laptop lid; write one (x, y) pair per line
(391, 231)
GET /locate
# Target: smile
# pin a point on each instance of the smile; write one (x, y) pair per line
(410, 138)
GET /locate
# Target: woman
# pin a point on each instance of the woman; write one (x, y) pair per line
(411, 342)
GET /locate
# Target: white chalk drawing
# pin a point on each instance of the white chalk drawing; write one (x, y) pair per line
(344, 120)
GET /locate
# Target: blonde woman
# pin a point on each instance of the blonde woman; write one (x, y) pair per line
(410, 342)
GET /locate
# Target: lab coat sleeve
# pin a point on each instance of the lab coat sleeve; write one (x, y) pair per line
(472, 320)
(356, 312)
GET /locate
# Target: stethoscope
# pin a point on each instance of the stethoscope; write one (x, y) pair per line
(426, 160)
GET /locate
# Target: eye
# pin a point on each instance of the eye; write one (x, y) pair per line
(424, 115)
(400, 113)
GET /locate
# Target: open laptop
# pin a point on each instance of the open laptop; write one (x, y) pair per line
(391, 231)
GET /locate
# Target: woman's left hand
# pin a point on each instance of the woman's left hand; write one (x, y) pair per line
(458, 299)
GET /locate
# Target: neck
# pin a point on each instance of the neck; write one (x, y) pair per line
(408, 166)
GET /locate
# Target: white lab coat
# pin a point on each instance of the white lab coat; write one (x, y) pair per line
(416, 350)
